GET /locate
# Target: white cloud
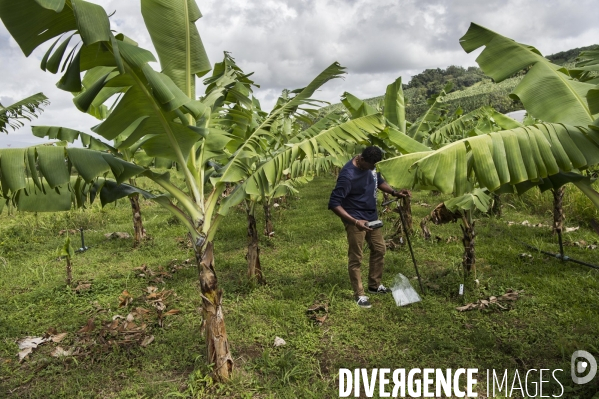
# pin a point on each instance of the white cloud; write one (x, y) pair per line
(288, 42)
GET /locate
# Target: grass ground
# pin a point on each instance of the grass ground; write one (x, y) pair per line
(555, 315)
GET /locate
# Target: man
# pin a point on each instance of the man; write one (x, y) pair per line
(354, 200)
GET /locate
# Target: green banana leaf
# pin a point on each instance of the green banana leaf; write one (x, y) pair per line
(478, 198)
(419, 129)
(547, 91)
(70, 135)
(237, 166)
(171, 24)
(51, 166)
(27, 109)
(464, 124)
(269, 173)
(395, 106)
(495, 159)
(356, 107)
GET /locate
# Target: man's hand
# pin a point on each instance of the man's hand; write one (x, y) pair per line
(361, 225)
(401, 193)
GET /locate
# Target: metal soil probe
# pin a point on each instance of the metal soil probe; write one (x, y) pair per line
(403, 223)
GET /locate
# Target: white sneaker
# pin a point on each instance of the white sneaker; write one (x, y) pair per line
(363, 302)
(380, 290)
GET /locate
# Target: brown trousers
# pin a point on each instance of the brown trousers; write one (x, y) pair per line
(376, 243)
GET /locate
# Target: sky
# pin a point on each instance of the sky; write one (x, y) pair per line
(288, 42)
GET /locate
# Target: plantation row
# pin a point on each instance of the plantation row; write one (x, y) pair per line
(229, 153)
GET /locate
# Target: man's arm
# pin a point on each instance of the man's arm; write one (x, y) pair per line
(342, 213)
(386, 188)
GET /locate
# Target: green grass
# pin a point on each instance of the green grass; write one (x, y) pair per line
(306, 260)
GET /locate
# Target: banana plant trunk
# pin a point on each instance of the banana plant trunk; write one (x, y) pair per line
(496, 208)
(405, 207)
(253, 254)
(217, 344)
(138, 227)
(469, 258)
(268, 227)
(426, 233)
(558, 210)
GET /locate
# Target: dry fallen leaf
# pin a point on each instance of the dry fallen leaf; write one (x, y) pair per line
(82, 287)
(113, 325)
(316, 307)
(171, 312)
(147, 341)
(510, 295)
(58, 337)
(125, 299)
(89, 327)
(141, 311)
(28, 344)
(151, 289)
(279, 342)
(60, 352)
(570, 229)
(23, 353)
(319, 310)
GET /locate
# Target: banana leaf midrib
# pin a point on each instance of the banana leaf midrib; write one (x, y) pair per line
(170, 134)
(416, 126)
(562, 77)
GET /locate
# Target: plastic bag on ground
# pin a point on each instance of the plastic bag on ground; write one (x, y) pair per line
(403, 292)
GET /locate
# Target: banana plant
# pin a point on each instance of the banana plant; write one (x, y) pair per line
(282, 188)
(426, 122)
(26, 109)
(586, 67)
(461, 208)
(394, 140)
(275, 180)
(159, 113)
(68, 253)
(299, 173)
(131, 154)
(503, 159)
(563, 99)
(518, 158)
(568, 95)
(457, 151)
(479, 121)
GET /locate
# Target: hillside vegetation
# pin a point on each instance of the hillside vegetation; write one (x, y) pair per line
(471, 88)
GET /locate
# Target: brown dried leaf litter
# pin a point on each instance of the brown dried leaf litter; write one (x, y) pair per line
(502, 302)
(318, 312)
(101, 336)
(528, 224)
